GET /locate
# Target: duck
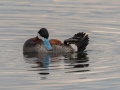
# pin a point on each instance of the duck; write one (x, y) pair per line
(42, 44)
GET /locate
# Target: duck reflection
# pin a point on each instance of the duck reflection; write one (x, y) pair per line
(47, 62)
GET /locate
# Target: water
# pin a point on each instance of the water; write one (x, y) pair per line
(96, 69)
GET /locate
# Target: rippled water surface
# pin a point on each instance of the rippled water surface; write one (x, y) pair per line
(95, 69)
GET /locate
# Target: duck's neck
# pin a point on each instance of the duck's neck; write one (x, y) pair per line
(35, 39)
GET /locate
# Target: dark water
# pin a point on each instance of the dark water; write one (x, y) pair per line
(95, 69)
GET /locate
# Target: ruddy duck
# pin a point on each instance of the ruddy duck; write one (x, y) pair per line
(42, 44)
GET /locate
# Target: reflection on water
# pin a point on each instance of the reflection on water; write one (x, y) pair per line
(46, 62)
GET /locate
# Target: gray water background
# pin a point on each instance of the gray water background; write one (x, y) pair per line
(21, 19)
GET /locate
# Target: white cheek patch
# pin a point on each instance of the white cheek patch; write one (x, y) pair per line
(38, 35)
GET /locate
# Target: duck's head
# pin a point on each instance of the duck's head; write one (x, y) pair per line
(43, 34)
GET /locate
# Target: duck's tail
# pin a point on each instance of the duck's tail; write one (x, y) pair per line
(81, 40)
